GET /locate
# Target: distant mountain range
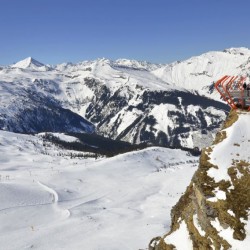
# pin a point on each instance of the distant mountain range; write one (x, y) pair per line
(173, 104)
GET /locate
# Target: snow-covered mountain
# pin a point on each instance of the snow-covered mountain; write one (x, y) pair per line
(136, 101)
(199, 72)
(214, 211)
(30, 63)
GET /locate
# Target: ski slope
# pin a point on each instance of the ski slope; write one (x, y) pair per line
(50, 201)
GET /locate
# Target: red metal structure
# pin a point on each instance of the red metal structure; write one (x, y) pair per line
(235, 91)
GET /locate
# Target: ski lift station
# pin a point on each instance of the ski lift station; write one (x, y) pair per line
(235, 91)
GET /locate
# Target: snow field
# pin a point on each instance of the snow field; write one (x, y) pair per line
(54, 202)
(235, 147)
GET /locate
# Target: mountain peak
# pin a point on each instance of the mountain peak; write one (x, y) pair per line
(28, 62)
(131, 63)
(237, 51)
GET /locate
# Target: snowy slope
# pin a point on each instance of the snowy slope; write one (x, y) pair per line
(49, 200)
(234, 148)
(214, 211)
(28, 104)
(199, 72)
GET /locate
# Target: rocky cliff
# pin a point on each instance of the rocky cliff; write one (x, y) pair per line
(213, 213)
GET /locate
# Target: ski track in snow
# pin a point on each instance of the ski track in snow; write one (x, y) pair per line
(55, 200)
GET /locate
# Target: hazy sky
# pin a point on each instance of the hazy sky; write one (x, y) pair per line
(56, 31)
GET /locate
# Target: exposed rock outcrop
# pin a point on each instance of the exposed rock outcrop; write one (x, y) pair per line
(214, 211)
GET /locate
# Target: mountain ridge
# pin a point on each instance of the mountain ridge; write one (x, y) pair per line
(132, 101)
(130, 62)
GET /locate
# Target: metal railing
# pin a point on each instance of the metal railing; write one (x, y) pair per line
(233, 90)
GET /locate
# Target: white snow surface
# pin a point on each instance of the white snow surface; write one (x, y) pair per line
(30, 63)
(199, 72)
(219, 195)
(227, 234)
(63, 137)
(180, 238)
(234, 147)
(197, 225)
(48, 201)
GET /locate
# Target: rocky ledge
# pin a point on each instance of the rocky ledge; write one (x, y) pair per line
(213, 213)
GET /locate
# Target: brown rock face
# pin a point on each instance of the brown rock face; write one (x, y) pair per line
(206, 214)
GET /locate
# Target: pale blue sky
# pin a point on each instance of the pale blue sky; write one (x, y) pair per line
(56, 31)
